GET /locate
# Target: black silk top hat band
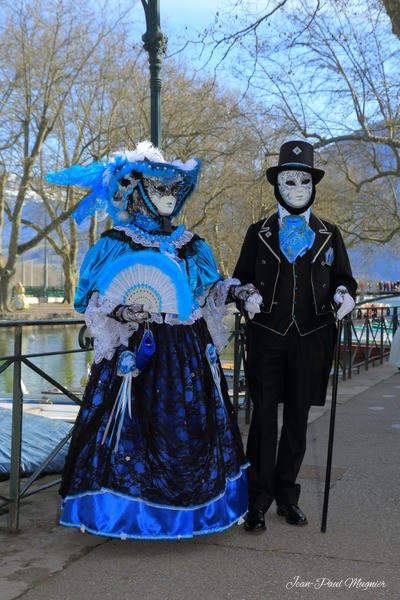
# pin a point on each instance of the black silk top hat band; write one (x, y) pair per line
(298, 156)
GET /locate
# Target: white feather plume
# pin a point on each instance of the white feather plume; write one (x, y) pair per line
(144, 150)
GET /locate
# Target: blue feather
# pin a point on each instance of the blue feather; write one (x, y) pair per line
(89, 176)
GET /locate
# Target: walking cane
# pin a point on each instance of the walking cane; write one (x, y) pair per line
(331, 426)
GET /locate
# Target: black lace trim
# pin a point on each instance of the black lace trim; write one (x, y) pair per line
(121, 236)
(189, 248)
(186, 250)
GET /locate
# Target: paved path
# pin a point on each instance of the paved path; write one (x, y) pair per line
(45, 310)
(357, 557)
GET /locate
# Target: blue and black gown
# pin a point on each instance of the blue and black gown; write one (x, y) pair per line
(178, 468)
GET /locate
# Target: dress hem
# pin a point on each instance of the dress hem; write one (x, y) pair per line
(128, 536)
(110, 515)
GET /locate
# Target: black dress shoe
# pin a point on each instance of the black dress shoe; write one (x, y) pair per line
(254, 521)
(292, 513)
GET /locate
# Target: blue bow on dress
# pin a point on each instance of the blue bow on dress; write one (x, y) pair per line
(295, 237)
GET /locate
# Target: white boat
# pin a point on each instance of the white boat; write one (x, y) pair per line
(60, 412)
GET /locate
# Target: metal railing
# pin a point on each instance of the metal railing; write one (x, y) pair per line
(9, 505)
(365, 342)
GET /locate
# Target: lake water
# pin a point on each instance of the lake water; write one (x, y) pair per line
(67, 369)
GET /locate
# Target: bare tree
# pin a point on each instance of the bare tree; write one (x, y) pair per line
(90, 104)
(328, 72)
(48, 58)
(206, 119)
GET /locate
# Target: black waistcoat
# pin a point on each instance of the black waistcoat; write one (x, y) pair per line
(294, 302)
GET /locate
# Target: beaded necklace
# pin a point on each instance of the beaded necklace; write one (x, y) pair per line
(146, 223)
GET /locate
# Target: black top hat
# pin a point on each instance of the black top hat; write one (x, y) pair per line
(298, 156)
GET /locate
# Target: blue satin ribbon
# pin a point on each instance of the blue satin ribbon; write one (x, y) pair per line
(295, 237)
(109, 514)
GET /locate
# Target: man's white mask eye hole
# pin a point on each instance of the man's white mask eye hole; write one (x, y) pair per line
(292, 183)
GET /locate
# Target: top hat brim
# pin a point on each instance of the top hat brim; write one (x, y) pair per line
(272, 172)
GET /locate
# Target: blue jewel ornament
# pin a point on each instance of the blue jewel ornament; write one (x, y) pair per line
(211, 354)
(127, 363)
(329, 255)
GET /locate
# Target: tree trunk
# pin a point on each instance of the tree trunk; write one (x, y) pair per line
(70, 280)
(93, 230)
(6, 278)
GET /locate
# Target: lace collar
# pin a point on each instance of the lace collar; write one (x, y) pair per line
(178, 238)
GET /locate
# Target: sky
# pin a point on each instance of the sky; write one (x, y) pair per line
(179, 21)
(183, 20)
(195, 14)
(175, 15)
(189, 17)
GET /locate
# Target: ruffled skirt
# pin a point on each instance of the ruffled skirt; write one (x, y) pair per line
(177, 467)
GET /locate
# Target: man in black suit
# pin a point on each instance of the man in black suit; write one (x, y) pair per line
(300, 266)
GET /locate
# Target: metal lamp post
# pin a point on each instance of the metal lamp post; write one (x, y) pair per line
(155, 43)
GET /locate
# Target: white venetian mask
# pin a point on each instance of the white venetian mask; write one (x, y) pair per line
(163, 197)
(295, 187)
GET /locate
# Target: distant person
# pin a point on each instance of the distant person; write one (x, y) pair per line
(19, 300)
(300, 266)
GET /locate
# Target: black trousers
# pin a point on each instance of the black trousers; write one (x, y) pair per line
(293, 370)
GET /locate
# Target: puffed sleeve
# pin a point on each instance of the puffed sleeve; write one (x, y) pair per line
(203, 270)
(98, 259)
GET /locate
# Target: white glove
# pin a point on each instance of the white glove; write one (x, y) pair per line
(250, 297)
(252, 304)
(346, 302)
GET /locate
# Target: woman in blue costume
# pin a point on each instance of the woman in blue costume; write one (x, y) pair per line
(156, 452)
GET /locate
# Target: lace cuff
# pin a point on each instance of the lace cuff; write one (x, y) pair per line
(107, 333)
(213, 304)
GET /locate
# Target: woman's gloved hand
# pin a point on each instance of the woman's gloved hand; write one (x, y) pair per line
(126, 313)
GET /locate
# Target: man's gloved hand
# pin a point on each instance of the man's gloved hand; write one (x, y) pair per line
(126, 313)
(248, 294)
(346, 302)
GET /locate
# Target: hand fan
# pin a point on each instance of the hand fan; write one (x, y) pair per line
(149, 278)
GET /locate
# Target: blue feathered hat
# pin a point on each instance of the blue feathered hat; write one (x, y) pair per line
(102, 179)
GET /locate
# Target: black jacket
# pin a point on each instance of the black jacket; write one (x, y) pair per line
(261, 263)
